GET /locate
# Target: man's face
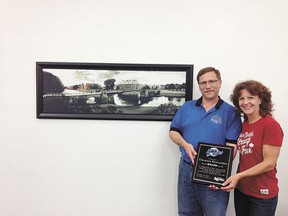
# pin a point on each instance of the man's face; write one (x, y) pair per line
(209, 85)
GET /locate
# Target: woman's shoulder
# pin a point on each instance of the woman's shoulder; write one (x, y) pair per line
(269, 122)
(270, 119)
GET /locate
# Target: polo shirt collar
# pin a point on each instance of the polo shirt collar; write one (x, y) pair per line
(219, 103)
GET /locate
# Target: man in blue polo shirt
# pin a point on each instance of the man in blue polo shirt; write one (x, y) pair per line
(210, 120)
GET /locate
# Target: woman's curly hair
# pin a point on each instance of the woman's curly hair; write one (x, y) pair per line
(255, 88)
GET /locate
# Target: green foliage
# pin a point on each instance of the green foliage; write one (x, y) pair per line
(109, 84)
(51, 84)
(166, 109)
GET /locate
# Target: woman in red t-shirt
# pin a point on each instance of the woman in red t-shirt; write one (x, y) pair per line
(256, 184)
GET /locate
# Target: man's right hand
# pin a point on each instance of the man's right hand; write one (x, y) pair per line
(190, 151)
(179, 140)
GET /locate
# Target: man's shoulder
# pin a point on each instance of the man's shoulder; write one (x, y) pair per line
(227, 105)
(190, 103)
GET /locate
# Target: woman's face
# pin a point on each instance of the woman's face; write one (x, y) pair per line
(249, 104)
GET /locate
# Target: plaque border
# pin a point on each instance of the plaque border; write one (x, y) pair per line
(229, 166)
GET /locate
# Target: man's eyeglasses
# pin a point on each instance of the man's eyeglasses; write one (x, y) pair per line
(210, 82)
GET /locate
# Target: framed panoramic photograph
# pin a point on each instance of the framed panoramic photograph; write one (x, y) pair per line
(111, 91)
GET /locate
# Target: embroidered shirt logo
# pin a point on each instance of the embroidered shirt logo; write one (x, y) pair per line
(216, 119)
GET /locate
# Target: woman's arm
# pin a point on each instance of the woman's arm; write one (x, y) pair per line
(270, 156)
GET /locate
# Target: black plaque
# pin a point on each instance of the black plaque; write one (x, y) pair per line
(213, 164)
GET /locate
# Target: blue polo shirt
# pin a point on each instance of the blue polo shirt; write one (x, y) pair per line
(219, 125)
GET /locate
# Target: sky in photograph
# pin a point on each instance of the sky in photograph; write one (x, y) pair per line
(72, 77)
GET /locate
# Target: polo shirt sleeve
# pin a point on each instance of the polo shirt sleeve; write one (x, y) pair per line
(234, 126)
(177, 120)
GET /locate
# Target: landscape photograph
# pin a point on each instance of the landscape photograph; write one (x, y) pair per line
(112, 92)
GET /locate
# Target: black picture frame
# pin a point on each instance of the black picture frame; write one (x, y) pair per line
(111, 91)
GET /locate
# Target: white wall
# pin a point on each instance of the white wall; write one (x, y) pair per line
(125, 168)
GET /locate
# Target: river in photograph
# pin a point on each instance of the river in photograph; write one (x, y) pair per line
(152, 102)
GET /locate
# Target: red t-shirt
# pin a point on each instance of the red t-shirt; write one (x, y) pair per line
(250, 145)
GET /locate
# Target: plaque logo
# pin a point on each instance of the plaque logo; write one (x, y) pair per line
(213, 152)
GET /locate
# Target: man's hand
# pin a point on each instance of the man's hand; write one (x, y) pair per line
(179, 140)
(190, 151)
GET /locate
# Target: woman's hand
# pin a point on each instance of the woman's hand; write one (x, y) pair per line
(230, 183)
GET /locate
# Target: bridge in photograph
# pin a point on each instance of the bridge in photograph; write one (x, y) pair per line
(82, 94)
